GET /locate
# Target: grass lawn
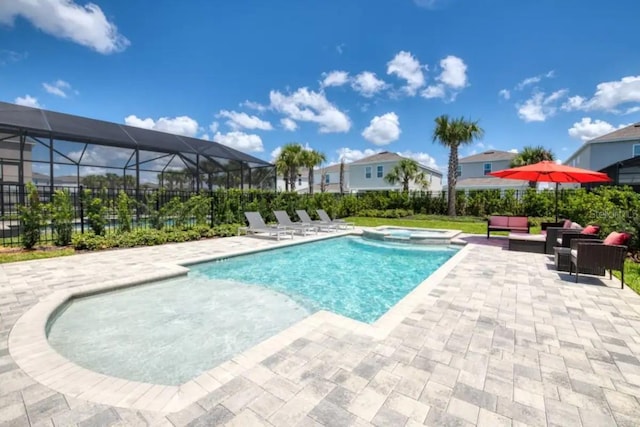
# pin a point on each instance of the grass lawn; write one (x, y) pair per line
(631, 275)
(465, 224)
(15, 255)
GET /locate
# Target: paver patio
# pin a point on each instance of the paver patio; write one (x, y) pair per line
(503, 339)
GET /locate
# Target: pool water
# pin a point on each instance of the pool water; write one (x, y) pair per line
(171, 331)
(350, 276)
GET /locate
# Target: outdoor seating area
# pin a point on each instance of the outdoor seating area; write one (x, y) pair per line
(516, 224)
(286, 227)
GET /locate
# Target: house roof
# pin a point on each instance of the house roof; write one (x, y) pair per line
(490, 182)
(388, 156)
(627, 133)
(488, 156)
(333, 168)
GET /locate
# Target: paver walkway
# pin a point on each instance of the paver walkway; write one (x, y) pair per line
(503, 340)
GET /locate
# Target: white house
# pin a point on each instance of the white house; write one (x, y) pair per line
(473, 172)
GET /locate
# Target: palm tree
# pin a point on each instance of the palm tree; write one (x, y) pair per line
(342, 176)
(532, 155)
(453, 133)
(405, 171)
(311, 159)
(288, 163)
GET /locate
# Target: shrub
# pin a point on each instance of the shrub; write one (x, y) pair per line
(32, 216)
(387, 213)
(96, 212)
(124, 205)
(62, 217)
(226, 230)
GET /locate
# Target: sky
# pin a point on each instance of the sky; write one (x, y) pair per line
(347, 78)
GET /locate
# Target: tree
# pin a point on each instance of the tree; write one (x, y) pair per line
(311, 159)
(405, 171)
(532, 155)
(453, 133)
(342, 175)
(323, 180)
(288, 163)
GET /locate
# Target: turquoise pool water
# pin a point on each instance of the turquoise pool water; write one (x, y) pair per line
(350, 276)
(171, 331)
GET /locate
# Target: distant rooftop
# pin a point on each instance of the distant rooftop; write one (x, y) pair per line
(488, 156)
(388, 156)
(490, 182)
(626, 133)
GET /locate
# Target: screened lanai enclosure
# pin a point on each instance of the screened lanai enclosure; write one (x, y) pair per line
(56, 150)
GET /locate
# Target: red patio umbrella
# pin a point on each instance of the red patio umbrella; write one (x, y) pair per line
(548, 171)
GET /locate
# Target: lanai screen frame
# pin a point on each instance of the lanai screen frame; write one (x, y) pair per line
(45, 127)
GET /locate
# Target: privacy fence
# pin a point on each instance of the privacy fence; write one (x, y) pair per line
(100, 211)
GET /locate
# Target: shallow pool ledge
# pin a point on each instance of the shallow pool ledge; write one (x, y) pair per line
(30, 349)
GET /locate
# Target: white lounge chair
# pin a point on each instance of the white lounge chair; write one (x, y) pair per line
(306, 219)
(257, 225)
(324, 216)
(285, 221)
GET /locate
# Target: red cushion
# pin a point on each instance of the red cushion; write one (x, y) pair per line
(543, 232)
(616, 238)
(567, 223)
(499, 221)
(591, 229)
(518, 221)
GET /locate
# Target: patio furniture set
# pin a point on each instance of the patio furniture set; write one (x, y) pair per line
(574, 248)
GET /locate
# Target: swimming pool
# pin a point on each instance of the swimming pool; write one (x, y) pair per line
(169, 332)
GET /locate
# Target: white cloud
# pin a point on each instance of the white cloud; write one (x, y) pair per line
(587, 129)
(28, 101)
(428, 4)
(608, 96)
(308, 106)
(434, 91)
(288, 124)
(244, 121)
(540, 107)
(57, 88)
(513, 150)
(254, 106)
(407, 67)
(350, 155)
(452, 79)
(505, 93)
(454, 72)
(367, 84)
(181, 125)
(335, 78)
(275, 153)
(213, 127)
(340, 48)
(632, 110)
(535, 79)
(240, 141)
(422, 158)
(10, 56)
(83, 24)
(383, 129)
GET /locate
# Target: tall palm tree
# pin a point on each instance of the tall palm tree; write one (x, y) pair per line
(405, 171)
(311, 159)
(532, 155)
(288, 163)
(453, 133)
(342, 166)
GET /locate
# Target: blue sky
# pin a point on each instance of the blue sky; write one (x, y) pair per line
(344, 77)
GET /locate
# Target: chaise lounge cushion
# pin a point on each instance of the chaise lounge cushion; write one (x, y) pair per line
(617, 239)
(591, 229)
(567, 223)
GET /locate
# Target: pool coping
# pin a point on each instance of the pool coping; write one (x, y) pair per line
(31, 351)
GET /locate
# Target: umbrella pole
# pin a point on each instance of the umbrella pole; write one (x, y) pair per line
(556, 202)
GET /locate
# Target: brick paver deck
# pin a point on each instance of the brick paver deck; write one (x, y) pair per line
(502, 339)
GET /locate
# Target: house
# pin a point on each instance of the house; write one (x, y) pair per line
(10, 160)
(616, 153)
(473, 172)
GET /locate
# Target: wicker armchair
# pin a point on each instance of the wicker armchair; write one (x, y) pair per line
(590, 253)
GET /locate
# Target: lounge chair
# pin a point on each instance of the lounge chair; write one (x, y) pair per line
(306, 219)
(285, 222)
(608, 254)
(324, 216)
(257, 225)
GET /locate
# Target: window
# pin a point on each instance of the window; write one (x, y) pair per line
(379, 171)
(459, 170)
(636, 150)
(367, 172)
(326, 178)
(487, 168)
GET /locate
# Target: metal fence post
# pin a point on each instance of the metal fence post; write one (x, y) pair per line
(81, 209)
